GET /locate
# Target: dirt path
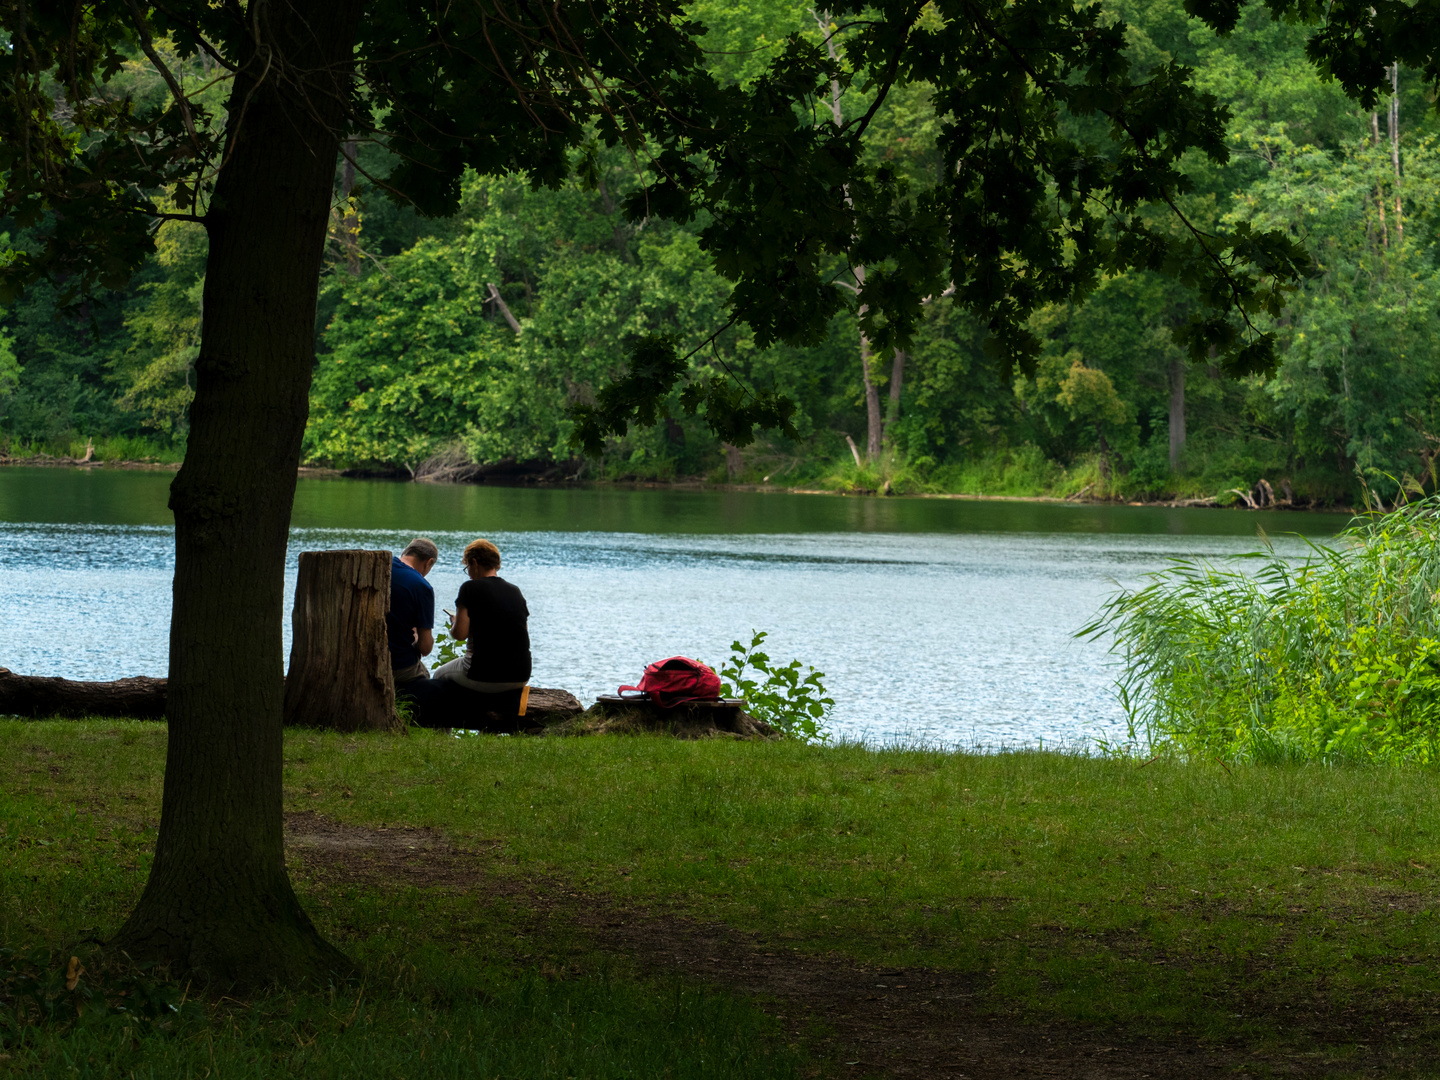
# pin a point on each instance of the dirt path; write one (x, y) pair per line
(890, 1021)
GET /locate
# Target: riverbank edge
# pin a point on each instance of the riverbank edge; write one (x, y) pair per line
(1071, 500)
(316, 472)
(48, 461)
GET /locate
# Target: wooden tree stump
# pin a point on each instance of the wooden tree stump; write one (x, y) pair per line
(548, 706)
(340, 674)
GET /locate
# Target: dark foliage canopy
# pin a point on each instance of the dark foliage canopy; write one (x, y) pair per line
(1026, 213)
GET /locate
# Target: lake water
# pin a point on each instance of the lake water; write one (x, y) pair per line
(944, 621)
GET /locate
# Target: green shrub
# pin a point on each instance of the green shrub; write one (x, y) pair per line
(1335, 659)
(903, 477)
(1019, 470)
(446, 649)
(794, 704)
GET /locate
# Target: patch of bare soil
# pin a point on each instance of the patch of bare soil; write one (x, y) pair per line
(338, 854)
(894, 1022)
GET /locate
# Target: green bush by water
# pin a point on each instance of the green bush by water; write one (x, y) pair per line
(1336, 659)
(793, 703)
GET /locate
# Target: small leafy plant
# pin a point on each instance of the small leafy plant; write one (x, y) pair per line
(793, 703)
(446, 649)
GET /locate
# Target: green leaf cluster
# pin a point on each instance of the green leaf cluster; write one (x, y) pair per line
(1051, 154)
(790, 700)
(1008, 181)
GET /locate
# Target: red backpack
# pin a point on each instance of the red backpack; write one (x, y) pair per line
(675, 681)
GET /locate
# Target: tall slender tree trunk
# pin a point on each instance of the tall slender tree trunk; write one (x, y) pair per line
(1379, 188)
(1395, 146)
(897, 380)
(350, 221)
(873, 420)
(1177, 413)
(219, 900)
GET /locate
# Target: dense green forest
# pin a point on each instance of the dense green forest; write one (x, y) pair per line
(447, 345)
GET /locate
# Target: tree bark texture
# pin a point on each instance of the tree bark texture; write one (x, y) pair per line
(340, 675)
(897, 380)
(873, 420)
(350, 219)
(734, 463)
(1177, 413)
(874, 424)
(1395, 145)
(219, 901)
(140, 698)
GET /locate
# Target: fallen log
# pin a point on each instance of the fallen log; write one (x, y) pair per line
(141, 697)
(551, 706)
(444, 706)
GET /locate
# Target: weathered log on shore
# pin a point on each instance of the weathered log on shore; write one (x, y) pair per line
(141, 697)
(551, 706)
(445, 706)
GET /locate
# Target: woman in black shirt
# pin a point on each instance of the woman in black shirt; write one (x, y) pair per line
(492, 619)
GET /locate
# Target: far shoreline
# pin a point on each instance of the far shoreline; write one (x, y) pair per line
(318, 472)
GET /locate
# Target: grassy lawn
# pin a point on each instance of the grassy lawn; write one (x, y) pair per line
(1280, 915)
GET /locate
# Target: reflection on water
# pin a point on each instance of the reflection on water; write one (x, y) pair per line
(944, 620)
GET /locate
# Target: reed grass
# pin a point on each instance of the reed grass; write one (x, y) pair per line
(1335, 658)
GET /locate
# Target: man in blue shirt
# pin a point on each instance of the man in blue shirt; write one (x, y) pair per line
(410, 622)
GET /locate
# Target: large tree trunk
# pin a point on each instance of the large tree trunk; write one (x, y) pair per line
(734, 463)
(218, 900)
(340, 675)
(1177, 413)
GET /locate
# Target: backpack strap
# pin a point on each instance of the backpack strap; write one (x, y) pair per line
(640, 695)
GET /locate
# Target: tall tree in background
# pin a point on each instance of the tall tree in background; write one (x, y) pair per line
(1025, 215)
(874, 420)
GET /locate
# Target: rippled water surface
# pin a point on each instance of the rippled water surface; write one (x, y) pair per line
(944, 620)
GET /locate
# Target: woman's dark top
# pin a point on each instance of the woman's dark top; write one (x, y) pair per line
(499, 643)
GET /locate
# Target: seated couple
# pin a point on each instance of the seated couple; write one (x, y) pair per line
(482, 688)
